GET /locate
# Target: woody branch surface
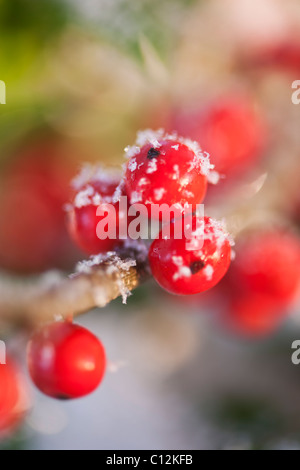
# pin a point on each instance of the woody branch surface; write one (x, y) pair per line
(97, 282)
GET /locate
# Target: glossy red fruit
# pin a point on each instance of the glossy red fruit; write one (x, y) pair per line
(230, 129)
(65, 360)
(166, 169)
(194, 263)
(282, 56)
(254, 315)
(267, 263)
(98, 192)
(35, 185)
(14, 397)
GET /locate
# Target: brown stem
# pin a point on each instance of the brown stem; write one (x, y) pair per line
(96, 283)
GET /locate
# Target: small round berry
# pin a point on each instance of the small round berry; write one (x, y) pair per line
(193, 263)
(100, 192)
(230, 129)
(34, 187)
(14, 396)
(254, 315)
(166, 169)
(267, 263)
(65, 360)
(281, 56)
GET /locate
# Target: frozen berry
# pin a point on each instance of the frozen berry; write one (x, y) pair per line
(166, 169)
(100, 192)
(194, 263)
(65, 360)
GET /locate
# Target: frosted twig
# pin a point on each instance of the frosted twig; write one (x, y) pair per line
(51, 297)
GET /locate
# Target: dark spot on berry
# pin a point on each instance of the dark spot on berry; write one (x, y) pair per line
(196, 266)
(153, 153)
(62, 397)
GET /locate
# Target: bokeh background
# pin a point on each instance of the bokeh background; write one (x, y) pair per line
(81, 79)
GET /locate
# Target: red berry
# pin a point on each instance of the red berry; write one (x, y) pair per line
(254, 315)
(65, 360)
(166, 169)
(14, 396)
(100, 191)
(183, 266)
(282, 56)
(269, 264)
(229, 129)
(34, 188)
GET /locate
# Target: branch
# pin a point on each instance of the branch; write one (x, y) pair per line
(97, 282)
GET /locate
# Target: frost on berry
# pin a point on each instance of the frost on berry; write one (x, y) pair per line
(97, 188)
(193, 263)
(158, 193)
(168, 161)
(201, 159)
(182, 271)
(90, 173)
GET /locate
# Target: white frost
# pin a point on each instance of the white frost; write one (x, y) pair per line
(158, 193)
(208, 272)
(152, 166)
(200, 162)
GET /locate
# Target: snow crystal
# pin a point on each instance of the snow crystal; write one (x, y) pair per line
(83, 177)
(114, 264)
(117, 264)
(86, 266)
(135, 197)
(208, 272)
(132, 151)
(158, 193)
(175, 175)
(148, 136)
(89, 196)
(213, 177)
(182, 271)
(118, 192)
(132, 164)
(84, 197)
(90, 173)
(215, 230)
(187, 193)
(143, 182)
(177, 260)
(97, 199)
(152, 166)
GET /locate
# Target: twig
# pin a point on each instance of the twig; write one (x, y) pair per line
(97, 282)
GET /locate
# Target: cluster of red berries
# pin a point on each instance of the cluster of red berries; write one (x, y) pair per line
(67, 361)
(162, 169)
